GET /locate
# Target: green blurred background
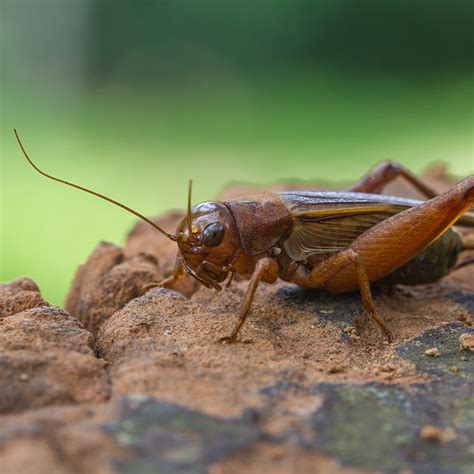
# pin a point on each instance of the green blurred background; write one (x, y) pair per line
(133, 98)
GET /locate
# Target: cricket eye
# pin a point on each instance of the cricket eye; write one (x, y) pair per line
(212, 234)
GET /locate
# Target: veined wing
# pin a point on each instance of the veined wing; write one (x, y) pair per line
(325, 222)
(319, 204)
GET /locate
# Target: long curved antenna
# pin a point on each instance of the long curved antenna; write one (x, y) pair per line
(123, 206)
(189, 216)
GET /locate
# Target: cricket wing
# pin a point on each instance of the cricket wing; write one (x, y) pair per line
(325, 223)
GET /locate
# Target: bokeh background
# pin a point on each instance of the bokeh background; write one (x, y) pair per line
(133, 98)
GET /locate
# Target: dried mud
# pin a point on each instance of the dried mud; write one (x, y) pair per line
(137, 383)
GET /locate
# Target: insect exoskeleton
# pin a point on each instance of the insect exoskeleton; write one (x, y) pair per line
(341, 241)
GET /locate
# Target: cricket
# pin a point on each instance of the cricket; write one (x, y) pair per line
(337, 241)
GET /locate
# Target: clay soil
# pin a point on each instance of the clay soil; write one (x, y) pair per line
(122, 381)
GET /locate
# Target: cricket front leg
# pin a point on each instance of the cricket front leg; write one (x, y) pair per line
(322, 274)
(265, 269)
(178, 273)
(382, 174)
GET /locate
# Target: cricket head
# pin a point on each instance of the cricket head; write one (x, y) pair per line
(208, 243)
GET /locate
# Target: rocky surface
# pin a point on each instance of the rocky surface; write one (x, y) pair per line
(18, 295)
(46, 356)
(137, 383)
(107, 282)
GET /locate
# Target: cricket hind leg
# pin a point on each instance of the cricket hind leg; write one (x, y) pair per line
(392, 243)
(328, 269)
(387, 246)
(383, 173)
(267, 269)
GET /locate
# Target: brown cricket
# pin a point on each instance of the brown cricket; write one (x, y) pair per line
(339, 241)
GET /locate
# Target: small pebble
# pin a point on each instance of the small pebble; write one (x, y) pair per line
(432, 352)
(386, 368)
(466, 342)
(454, 368)
(24, 376)
(433, 433)
(336, 369)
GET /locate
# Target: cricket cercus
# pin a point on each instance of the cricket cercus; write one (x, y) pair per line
(340, 241)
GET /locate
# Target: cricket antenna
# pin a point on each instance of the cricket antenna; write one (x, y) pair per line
(123, 206)
(189, 216)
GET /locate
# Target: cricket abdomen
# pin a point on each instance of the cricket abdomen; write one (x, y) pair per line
(431, 265)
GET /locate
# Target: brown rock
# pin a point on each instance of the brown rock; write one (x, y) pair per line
(104, 257)
(431, 433)
(112, 276)
(441, 435)
(18, 295)
(46, 357)
(44, 329)
(288, 459)
(58, 440)
(386, 367)
(108, 281)
(432, 352)
(165, 344)
(466, 342)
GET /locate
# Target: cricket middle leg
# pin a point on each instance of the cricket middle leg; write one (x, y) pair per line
(178, 273)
